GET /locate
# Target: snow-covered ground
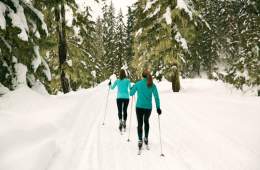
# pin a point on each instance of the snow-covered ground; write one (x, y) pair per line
(207, 126)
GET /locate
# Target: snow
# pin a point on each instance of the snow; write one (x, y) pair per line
(139, 32)
(155, 11)
(94, 73)
(168, 16)
(46, 70)
(39, 87)
(208, 125)
(14, 59)
(2, 17)
(20, 71)
(38, 59)
(149, 4)
(40, 16)
(3, 90)
(206, 23)
(181, 40)
(69, 62)
(182, 4)
(19, 20)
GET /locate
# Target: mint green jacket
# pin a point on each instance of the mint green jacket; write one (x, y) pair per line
(123, 87)
(144, 95)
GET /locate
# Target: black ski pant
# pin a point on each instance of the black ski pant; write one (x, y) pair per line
(143, 116)
(122, 105)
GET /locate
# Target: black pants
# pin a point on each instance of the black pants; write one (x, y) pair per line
(122, 105)
(143, 116)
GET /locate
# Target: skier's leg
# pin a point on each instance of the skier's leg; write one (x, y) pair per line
(146, 122)
(119, 107)
(140, 116)
(126, 102)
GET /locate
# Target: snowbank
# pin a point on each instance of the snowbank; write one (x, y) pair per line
(32, 127)
(3, 90)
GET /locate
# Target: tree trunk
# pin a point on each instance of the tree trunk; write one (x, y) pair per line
(175, 79)
(61, 26)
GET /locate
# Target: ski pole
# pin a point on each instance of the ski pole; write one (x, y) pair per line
(130, 118)
(160, 134)
(105, 112)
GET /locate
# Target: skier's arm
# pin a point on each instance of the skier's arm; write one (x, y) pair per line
(156, 97)
(114, 85)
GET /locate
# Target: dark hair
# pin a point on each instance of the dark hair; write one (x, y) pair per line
(146, 74)
(122, 74)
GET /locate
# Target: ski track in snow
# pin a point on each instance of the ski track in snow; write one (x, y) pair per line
(190, 140)
(200, 131)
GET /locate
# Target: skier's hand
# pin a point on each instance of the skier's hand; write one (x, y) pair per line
(159, 111)
(109, 84)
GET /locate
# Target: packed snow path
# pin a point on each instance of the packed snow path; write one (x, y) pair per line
(205, 127)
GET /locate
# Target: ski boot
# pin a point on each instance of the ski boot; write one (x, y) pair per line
(124, 124)
(120, 125)
(140, 144)
(146, 143)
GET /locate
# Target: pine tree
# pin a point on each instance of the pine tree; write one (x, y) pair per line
(20, 43)
(130, 43)
(81, 50)
(109, 39)
(162, 32)
(100, 57)
(120, 42)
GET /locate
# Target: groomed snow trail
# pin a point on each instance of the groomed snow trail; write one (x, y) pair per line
(200, 131)
(206, 126)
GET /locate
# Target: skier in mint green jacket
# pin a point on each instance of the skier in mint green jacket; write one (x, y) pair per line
(123, 85)
(145, 89)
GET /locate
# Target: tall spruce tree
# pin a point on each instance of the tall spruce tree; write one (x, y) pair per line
(120, 42)
(130, 43)
(109, 39)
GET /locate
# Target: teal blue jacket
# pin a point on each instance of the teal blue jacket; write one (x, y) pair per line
(144, 95)
(123, 87)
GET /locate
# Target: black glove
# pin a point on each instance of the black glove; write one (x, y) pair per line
(159, 111)
(109, 84)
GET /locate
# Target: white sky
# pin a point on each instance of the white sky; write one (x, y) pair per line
(96, 8)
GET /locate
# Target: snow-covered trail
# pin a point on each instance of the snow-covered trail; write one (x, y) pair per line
(207, 126)
(200, 131)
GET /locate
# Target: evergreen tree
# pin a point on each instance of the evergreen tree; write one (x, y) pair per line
(130, 43)
(81, 50)
(22, 30)
(120, 43)
(162, 32)
(109, 39)
(100, 57)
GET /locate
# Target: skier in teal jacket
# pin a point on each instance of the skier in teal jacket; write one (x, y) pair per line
(145, 89)
(123, 85)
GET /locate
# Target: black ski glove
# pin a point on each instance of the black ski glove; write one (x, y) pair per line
(109, 84)
(159, 111)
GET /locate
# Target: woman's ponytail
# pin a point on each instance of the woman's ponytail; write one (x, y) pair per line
(146, 74)
(149, 80)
